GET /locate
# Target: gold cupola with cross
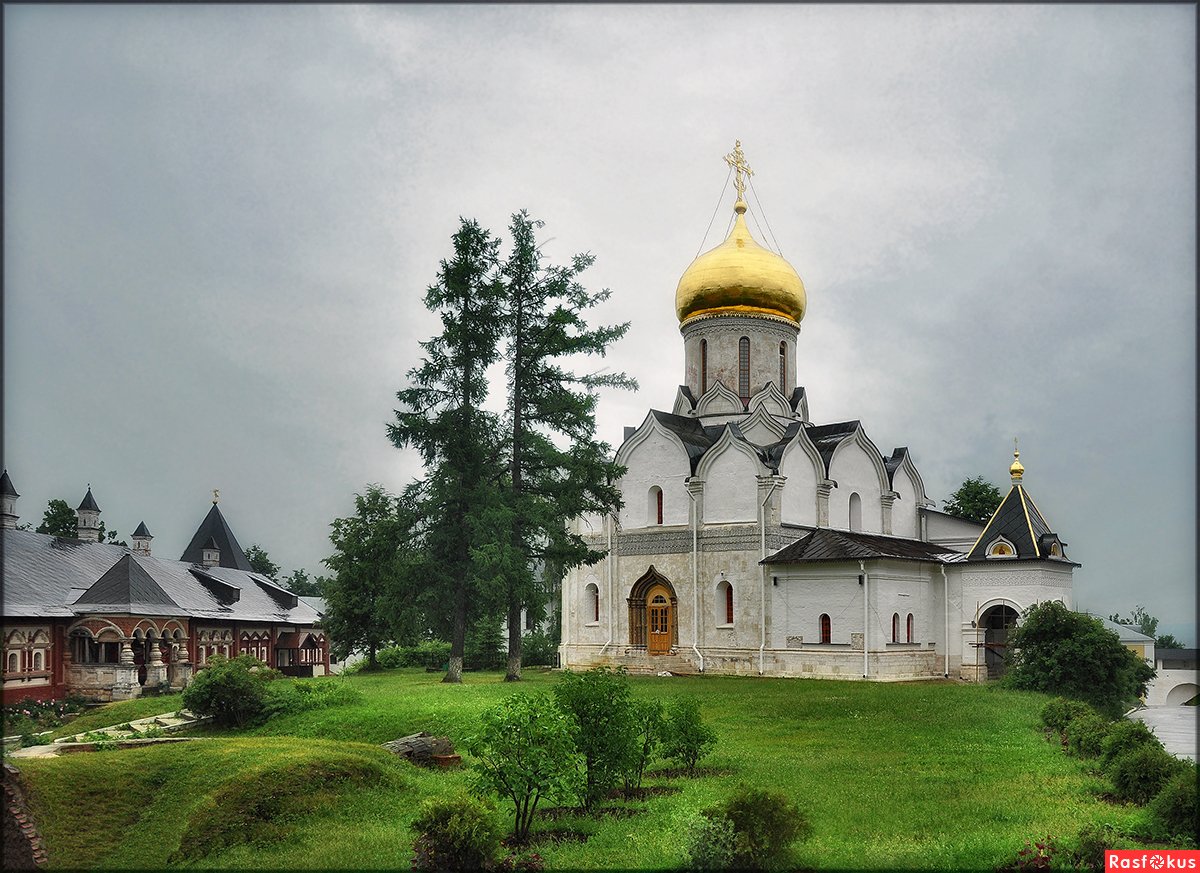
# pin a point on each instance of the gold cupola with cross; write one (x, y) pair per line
(739, 276)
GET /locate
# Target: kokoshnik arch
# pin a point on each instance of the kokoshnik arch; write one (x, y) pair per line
(754, 540)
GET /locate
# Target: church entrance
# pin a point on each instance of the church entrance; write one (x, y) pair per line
(653, 619)
(996, 622)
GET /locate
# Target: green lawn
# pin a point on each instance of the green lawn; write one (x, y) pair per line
(893, 776)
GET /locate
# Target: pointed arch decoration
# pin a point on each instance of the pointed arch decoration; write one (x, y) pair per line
(638, 629)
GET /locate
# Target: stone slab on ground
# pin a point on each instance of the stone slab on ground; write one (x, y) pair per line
(1175, 727)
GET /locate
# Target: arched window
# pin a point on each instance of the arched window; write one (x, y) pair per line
(13, 662)
(826, 629)
(591, 602)
(855, 512)
(703, 367)
(895, 627)
(909, 625)
(744, 369)
(37, 660)
(783, 368)
(654, 506)
(724, 602)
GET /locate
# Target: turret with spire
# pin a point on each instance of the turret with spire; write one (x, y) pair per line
(141, 539)
(87, 528)
(8, 502)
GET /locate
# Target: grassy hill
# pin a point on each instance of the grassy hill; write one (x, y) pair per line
(893, 776)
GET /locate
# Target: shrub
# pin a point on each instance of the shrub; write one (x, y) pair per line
(648, 723)
(537, 649)
(752, 830)
(1086, 733)
(686, 738)
(428, 653)
(455, 833)
(1057, 714)
(1140, 774)
(1125, 736)
(1094, 840)
(1172, 812)
(227, 690)
(525, 752)
(1057, 651)
(390, 658)
(1036, 855)
(711, 843)
(597, 702)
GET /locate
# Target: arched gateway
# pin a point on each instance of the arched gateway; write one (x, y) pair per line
(653, 614)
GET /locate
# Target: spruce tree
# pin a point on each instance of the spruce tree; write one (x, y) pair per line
(557, 468)
(441, 417)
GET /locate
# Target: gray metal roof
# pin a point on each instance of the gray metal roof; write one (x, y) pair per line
(824, 544)
(215, 526)
(46, 576)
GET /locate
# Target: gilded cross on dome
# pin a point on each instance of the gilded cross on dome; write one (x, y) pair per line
(737, 160)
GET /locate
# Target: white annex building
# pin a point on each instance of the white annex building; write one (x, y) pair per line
(754, 540)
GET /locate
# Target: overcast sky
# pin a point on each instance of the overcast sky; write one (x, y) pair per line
(220, 220)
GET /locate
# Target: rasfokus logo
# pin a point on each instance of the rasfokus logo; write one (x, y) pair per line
(1154, 860)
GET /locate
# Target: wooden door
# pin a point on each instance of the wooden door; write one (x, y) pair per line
(658, 620)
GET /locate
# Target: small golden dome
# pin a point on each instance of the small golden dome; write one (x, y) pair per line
(1016, 470)
(740, 277)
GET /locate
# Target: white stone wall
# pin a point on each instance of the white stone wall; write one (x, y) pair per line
(905, 509)
(854, 472)
(730, 475)
(657, 459)
(799, 497)
(723, 334)
(957, 533)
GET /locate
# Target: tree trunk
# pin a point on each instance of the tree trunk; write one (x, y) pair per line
(514, 642)
(458, 637)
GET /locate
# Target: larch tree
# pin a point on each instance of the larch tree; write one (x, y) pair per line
(441, 416)
(557, 468)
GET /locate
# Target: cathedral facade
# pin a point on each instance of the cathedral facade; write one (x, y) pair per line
(753, 540)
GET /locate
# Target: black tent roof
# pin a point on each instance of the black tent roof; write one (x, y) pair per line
(6, 486)
(89, 502)
(1018, 520)
(215, 527)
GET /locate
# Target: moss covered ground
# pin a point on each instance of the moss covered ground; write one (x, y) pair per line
(931, 775)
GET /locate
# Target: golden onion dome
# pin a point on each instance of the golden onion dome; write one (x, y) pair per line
(740, 277)
(1017, 470)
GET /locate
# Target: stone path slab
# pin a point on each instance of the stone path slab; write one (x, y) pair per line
(1175, 727)
(168, 722)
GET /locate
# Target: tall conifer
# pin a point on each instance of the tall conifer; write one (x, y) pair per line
(441, 417)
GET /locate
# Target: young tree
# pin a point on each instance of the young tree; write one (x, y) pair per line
(598, 704)
(441, 416)
(1057, 651)
(544, 327)
(976, 499)
(1148, 625)
(369, 572)
(260, 561)
(298, 582)
(58, 519)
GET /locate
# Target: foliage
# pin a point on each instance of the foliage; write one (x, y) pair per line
(1057, 651)
(544, 327)
(227, 690)
(538, 649)
(1093, 841)
(442, 415)
(765, 824)
(649, 723)
(1125, 736)
(31, 716)
(1140, 774)
(525, 752)
(711, 843)
(483, 648)
(260, 561)
(455, 833)
(427, 653)
(598, 703)
(976, 499)
(1085, 734)
(686, 738)
(299, 583)
(1059, 713)
(374, 566)
(1172, 812)
(58, 520)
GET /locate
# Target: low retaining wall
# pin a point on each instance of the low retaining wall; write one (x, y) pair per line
(24, 848)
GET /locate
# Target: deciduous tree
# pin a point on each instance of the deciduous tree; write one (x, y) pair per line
(58, 519)
(976, 499)
(260, 561)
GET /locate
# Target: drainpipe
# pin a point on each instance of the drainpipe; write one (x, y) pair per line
(866, 628)
(762, 605)
(695, 578)
(946, 592)
(608, 522)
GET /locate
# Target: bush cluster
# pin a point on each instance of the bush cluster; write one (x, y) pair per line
(753, 830)
(231, 690)
(32, 716)
(428, 653)
(290, 697)
(455, 833)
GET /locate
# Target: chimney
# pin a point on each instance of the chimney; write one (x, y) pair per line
(8, 502)
(87, 528)
(210, 555)
(141, 540)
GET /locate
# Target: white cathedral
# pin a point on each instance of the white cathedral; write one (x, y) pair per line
(754, 541)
